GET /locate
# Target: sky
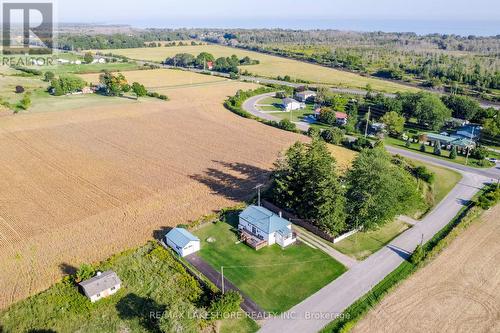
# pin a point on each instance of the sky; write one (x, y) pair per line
(422, 16)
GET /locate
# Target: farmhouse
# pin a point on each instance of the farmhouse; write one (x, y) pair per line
(182, 241)
(289, 104)
(100, 286)
(303, 96)
(341, 118)
(260, 227)
(210, 65)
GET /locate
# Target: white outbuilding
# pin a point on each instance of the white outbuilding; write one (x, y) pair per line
(100, 286)
(182, 241)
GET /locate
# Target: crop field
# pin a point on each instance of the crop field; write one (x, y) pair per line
(166, 80)
(79, 185)
(456, 292)
(270, 66)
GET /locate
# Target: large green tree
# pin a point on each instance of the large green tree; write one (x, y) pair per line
(394, 123)
(305, 182)
(114, 85)
(67, 84)
(139, 89)
(431, 111)
(462, 107)
(378, 190)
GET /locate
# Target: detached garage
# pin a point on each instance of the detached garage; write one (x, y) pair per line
(182, 241)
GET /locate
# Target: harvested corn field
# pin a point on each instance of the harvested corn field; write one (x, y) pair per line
(456, 292)
(80, 185)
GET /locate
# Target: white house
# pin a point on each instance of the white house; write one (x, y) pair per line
(182, 241)
(258, 223)
(304, 95)
(289, 104)
(100, 286)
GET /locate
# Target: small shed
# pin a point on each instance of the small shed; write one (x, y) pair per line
(182, 241)
(100, 286)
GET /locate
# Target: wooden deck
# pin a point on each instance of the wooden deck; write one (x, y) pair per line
(252, 240)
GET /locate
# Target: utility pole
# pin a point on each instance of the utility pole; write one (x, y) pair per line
(367, 121)
(222, 273)
(468, 149)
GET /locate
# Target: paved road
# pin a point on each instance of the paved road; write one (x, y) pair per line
(317, 311)
(249, 306)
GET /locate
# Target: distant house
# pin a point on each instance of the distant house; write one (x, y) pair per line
(87, 90)
(100, 286)
(469, 131)
(289, 104)
(341, 118)
(210, 65)
(182, 241)
(260, 227)
(303, 96)
(448, 141)
(378, 127)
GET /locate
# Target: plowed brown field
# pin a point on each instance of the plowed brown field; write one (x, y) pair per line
(457, 292)
(80, 185)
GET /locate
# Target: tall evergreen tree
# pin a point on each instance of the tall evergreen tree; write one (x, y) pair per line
(378, 190)
(305, 181)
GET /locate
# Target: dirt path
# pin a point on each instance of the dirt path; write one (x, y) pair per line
(457, 292)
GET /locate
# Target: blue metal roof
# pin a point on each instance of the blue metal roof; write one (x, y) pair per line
(265, 220)
(181, 237)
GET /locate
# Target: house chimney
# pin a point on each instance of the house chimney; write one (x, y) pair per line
(280, 214)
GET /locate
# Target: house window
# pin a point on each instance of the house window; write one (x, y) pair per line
(254, 231)
(98, 295)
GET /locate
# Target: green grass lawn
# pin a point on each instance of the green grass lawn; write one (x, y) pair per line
(271, 108)
(429, 151)
(275, 278)
(270, 100)
(152, 280)
(362, 244)
(445, 181)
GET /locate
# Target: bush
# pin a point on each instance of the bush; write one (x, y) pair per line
(287, 125)
(224, 304)
(422, 147)
(480, 153)
(25, 102)
(437, 149)
(163, 97)
(84, 272)
(333, 135)
(489, 198)
(408, 143)
(453, 153)
(360, 144)
(30, 71)
(421, 172)
(418, 255)
(19, 89)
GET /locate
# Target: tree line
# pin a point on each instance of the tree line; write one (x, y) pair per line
(201, 61)
(374, 191)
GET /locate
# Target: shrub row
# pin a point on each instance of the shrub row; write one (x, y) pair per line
(234, 104)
